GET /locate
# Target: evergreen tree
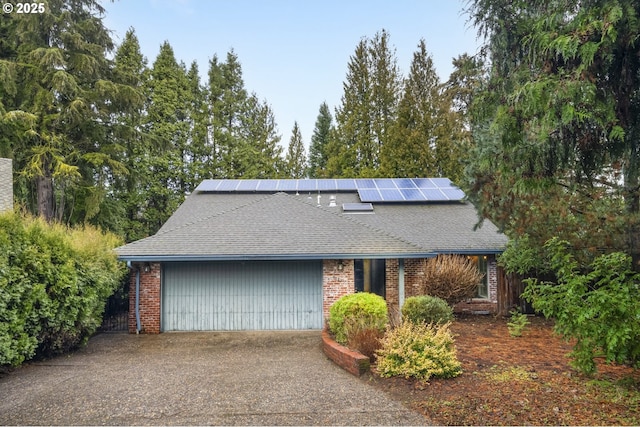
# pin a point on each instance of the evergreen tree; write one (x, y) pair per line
(353, 119)
(556, 125)
(199, 161)
(411, 150)
(130, 69)
(228, 108)
(318, 151)
(386, 92)
(258, 151)
(296, 157)
(56, 110)
(167, 128)
(368, 108)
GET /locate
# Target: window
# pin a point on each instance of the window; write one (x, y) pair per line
(482, 291)
(370, 276)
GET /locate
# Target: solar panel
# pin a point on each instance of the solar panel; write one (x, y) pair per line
(404, 183)
(327, 185)
(344, 184)
(208, 185)
(288, 185)
(391, 195)
(453, 193)
(247, 185)
(357, 207)
(412, 194)
(307, 184)
(369, 195)
(441, 182)
(228, 185)
(385, 183)
(369, 189)
(365, 183)
(434, 195)
(267, 185)
(424, 183)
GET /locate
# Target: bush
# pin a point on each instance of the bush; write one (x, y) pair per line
(418, 350)
(365, 340)
(453, 278)
(427, 309)
(357, 312)
(517, 323)
(595, 305)
(54, 283)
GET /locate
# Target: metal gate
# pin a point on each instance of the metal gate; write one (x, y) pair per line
(116, 311)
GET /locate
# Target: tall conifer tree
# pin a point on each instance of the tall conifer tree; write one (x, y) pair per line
(296, 161)
(368, 108)
(63, 95)
(319, 150)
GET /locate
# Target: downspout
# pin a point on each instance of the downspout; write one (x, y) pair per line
(137, 298)
(400, 283)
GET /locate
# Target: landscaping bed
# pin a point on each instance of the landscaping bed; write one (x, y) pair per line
(519, 381)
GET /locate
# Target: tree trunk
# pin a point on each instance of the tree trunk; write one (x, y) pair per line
(44, 186)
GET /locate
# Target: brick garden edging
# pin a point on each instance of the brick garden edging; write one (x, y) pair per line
(350, 360)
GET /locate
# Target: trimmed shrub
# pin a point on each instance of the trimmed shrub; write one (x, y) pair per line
(420, 351)
(427, 309)
(357, 312)
(54, 283)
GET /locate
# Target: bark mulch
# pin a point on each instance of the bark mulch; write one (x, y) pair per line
(523, 380)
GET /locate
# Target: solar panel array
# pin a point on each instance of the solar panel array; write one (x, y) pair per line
(369, 189)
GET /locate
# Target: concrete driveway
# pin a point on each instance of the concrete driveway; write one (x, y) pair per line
(229, 378)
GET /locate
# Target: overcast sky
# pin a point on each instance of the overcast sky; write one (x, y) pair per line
(294, 54)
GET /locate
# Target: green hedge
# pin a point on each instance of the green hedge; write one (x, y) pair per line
(54, 283)
(357, 311)
(427, 309)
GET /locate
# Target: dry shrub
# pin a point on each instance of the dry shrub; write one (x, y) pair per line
(365, 340)
(453, 278)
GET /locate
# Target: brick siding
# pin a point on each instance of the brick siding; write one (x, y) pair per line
(336, 282)
(149, 298)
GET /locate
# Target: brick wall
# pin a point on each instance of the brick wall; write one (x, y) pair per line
(6, 185)
(413, 274)
(392, 284)
(336, 282)
(489, 304)
(149, 298)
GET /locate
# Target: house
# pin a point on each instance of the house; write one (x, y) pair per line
(276, 254)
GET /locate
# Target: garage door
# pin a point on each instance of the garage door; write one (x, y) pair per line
(256, 295)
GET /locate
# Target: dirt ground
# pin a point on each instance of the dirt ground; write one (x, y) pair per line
(523, 380)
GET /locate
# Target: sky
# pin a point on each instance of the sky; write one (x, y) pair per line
(294, 53)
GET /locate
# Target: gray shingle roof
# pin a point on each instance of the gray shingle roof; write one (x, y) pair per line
(288, 226)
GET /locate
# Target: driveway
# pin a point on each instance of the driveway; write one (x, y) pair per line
(228, 378)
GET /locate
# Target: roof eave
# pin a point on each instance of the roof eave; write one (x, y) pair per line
(298, 257)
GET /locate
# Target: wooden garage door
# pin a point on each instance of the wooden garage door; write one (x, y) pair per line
(255, 295)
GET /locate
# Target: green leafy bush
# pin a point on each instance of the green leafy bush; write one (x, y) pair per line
(598, 305)
(427, 309)
(357, 312)
(418, 350)
(54, 283)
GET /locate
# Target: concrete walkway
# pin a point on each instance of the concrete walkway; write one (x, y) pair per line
(229, 378)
